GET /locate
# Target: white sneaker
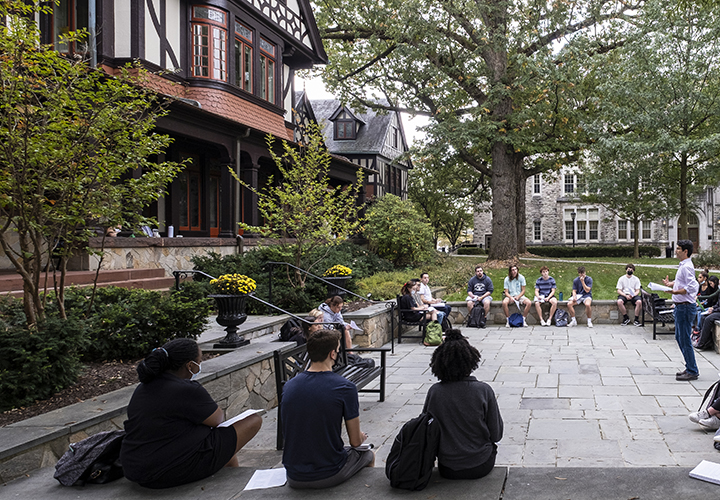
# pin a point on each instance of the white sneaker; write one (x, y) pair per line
(716, 438)
(542, 322)
(711, 423)
(524, 322)
(590, 325)
(573, 322)
(697, 416)
(507, 323)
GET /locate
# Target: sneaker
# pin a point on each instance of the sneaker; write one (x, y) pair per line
(697, 416)
(636, 323)
(507, 323)
(590, 325)
(716, 438)
(686, 377)
(626, 322)
(712, 423)
(573, 322)
(524, 322)
(542, 322)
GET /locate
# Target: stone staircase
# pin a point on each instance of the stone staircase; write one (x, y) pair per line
(148, 279)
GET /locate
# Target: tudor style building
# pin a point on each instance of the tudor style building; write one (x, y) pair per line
(228, 67)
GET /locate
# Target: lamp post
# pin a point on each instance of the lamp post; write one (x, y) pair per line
(573, 215)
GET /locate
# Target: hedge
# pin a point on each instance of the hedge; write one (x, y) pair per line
(471, 251)
(594, 251)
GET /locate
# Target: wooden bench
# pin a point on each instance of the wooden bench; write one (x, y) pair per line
(421, 324)
(659, 311)
(293, 361)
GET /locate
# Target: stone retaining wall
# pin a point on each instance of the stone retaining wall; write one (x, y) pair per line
(236, 381)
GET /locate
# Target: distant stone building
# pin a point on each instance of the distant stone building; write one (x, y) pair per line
(550, 204)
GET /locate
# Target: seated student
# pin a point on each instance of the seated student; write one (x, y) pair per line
(581, 294)
(467, 410)
(426, 295)
(310, 325)
(411, 311)
(514, 286)
(479, 290)
(628, 289)
(545, 292)
(172, 429)
(331, 314)
(708, 418)
(314, 404)
(421, 303)
(708, 301)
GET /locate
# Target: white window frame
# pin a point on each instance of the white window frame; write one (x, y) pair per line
(586, 218)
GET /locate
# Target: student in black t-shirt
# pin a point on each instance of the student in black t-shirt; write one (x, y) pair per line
(408, 305)
(172, 429)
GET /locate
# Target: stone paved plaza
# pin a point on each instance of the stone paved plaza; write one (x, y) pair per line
(569, 397)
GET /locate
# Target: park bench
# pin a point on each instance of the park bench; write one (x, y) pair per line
(293, 361)
(659, 311)
(421, 323)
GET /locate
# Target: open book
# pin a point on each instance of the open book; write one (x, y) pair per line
(707, 471)
(655, 287)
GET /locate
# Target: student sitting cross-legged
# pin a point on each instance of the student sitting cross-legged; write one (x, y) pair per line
(314, 405)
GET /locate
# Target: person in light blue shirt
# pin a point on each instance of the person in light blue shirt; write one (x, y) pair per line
(514, 286)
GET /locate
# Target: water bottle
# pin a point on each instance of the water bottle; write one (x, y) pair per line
(560, 296)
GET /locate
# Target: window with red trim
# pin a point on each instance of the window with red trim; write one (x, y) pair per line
(67, 16)
(267, 70)
(209, 43)
(243, 57)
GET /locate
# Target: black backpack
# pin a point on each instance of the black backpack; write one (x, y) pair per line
(93, 460)
(561, 318)
(410, 464)
(476, 318)
(286, 330)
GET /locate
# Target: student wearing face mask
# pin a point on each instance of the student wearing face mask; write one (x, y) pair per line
(628, 288)
(172, 434)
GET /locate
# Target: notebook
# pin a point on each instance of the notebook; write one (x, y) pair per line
(707, 471)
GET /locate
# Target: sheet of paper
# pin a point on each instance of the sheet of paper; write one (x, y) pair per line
(655, 287)
(267, 478)
(242, 416)
(707, 471)
(354, 326)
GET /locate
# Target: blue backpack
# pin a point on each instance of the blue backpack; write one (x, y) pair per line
(561, 318)
(516, 320)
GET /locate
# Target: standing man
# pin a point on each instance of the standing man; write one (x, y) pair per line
(581, 294)
(480, 289)
(545, 292)
(514, 286)
(314, 405)
(628, 289)
(684, 292)
(427, 298)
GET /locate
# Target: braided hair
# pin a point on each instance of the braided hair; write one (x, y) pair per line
(170, 356)
(454, 359)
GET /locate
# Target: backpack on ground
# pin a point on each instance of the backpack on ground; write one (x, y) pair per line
(433, 334)
(93, 460)
(516, 320)
(446, 325)
(286, 330)
(410, 464)
(561, 318)
(476, 318)
(710, 396)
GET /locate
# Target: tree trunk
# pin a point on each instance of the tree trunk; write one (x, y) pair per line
(683, 219)
(521, 214)
(636, 240)
(507, 175)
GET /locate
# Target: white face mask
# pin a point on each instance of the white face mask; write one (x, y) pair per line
(195, 375)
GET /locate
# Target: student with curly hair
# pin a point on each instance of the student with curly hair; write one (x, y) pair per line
(172, 429)
(469, 417)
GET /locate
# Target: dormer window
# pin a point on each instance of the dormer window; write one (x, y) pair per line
(345, 129)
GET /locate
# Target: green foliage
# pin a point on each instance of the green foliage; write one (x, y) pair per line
(709, 259)
(302, 208)
(70, 136)
(595, 251)
(397, 232)
(39, 361)
(386, 285)
(471, 251)
(127, 324)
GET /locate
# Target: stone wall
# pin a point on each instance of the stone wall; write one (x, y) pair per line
(603, 311)
(237, 381)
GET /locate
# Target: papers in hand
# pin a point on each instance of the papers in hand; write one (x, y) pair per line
(242, 416)
(267, 478)
(707, 471)
(354, 326)
(655, 287)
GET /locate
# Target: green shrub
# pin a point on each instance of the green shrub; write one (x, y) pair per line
(397, 232)
(595, 251)
(708, 258)
(37, 362)
(386, 285)
(471, 251)
(127, 324)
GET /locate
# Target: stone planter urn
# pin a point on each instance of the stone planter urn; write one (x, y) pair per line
(336, 281)
(231, 314)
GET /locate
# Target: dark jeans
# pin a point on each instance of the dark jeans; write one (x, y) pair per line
(481, 470)
(706, 333)
(684, 315)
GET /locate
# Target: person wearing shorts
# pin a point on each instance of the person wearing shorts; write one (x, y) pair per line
(628, 288)
(480, 288)
(581, 294)
(545, 288)
(514, 290)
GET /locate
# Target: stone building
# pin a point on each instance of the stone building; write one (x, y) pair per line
(551, 202)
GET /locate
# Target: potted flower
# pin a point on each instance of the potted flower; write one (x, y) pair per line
(231, 291)
(338, 275)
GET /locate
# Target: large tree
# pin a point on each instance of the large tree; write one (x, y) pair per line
(661, 103)
(74, 152)
(502, 81)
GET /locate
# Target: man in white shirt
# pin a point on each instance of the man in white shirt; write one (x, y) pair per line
(426, 295)
(628, 289)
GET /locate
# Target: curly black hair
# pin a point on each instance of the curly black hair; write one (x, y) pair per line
(455, 358)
